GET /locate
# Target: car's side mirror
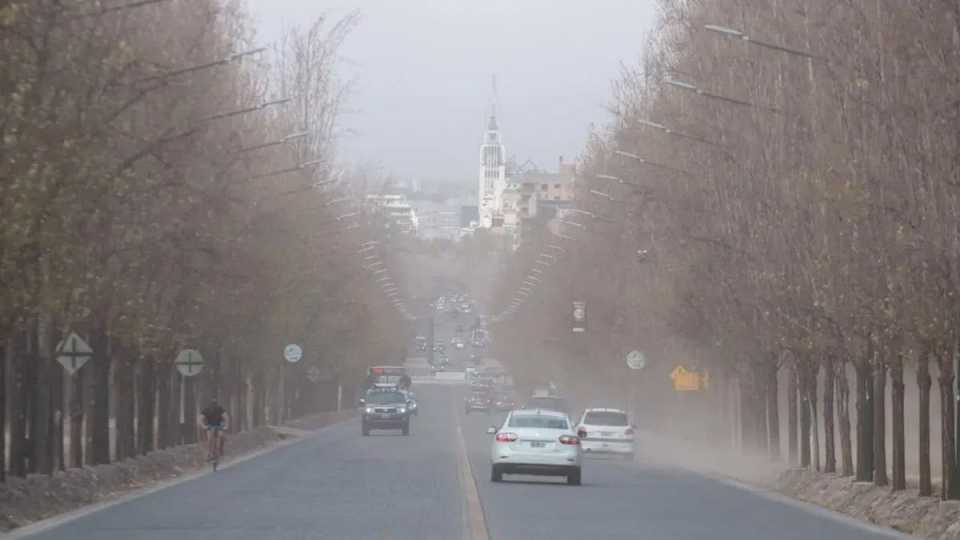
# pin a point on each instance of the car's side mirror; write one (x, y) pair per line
(491, 430)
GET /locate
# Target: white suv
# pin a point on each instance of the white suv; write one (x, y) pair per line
(606, 431)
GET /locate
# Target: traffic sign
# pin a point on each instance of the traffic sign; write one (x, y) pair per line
(313, 374)
(189, 362)
(636, 360)
(293, 353)
(687, 381)
(73, 353)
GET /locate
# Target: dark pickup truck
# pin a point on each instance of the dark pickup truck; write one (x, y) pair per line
(385, 409)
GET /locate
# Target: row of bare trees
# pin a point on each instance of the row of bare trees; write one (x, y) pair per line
(165, 184)
(778, 201)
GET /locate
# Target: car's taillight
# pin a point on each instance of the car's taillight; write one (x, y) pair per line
(628, 431)
(569, 439)
(506, 437)
(582, 433)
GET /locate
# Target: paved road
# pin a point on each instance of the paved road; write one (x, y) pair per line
(636, 500)
(335, 485)
(341, 485)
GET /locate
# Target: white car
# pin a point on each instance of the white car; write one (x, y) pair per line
(606, 431)
(537, 442)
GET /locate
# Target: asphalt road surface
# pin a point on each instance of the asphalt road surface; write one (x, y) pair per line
(338, 484)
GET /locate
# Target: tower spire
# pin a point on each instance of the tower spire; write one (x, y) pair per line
(492, 124)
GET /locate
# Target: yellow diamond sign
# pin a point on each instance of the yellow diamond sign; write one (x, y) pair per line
(688, 381)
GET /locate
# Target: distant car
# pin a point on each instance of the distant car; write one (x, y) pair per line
(504, 401)
(385, 409)
(535, 442)
(478, 400)
(606, 431)
(548, 403)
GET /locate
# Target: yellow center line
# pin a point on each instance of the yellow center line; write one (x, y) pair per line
(475, 522)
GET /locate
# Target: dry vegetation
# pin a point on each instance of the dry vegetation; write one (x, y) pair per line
(164, 185)
(792, 227)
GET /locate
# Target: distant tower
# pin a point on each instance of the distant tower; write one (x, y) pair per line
(493, 171)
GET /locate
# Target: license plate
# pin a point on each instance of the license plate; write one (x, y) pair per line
(538, 444)
(606, 433)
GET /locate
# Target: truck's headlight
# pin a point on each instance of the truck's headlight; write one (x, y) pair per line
(369, 410)
(402, 410)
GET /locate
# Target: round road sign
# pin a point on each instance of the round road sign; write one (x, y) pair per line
(189, 362)
(636, 360)
(293, 353)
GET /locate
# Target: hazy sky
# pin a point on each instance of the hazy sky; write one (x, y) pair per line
(422, 71)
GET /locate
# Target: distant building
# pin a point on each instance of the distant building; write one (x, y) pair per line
(493, 176)
(396, 211)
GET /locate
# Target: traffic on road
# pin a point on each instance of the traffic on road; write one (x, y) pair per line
(460, 451)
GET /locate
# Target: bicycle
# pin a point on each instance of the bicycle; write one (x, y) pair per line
(215, 448)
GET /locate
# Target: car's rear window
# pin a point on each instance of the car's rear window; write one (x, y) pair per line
(385, 397)
(538, 421)
(554, 404)
(605, 418)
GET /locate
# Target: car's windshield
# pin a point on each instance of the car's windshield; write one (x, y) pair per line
(537, 421)
(605, 418)
(385, 397)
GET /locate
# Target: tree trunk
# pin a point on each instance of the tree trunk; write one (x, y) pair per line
(812, 401)
(100, 343)
(949, 486)
(147, 396)
(924, 382)
(259, 403)
(829, 444)
(41, 421)
(792, 424)
(125, 408)
(864, 422)
(843, 413)
(748, 427)
(899, 439)
(773, 407)
(164, 404)
(19, 399)
(804, 414)
(880, 423)
(6, 352)
(176, 407)
(57, 404)
(89, 405)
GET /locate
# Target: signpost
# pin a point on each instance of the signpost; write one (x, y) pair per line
(313, 374)
(189, 362)
(292, 353)
(73, 353)
(636, 360)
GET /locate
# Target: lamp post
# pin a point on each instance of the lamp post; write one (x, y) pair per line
(736, 34)
(735, 101)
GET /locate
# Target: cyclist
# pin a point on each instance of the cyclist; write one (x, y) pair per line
(214, 420)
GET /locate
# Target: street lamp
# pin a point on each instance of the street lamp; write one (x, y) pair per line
(693, 88)
(669, 131)
(736, 34)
